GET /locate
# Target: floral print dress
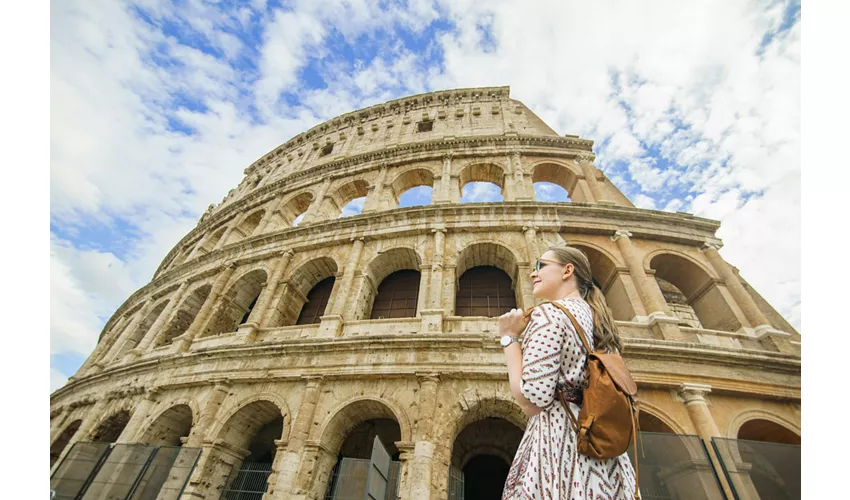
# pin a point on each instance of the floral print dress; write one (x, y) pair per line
(547, 465)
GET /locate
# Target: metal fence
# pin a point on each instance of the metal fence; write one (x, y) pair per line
(349, 477)
(127, 471)
(250, 482)
(675, 467)
(758, 470)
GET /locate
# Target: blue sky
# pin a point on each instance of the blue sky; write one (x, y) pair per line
(157, 107)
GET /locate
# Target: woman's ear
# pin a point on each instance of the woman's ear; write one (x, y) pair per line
(569, 269)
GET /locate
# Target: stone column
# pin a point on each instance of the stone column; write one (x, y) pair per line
(348, 277)
(531, 242)
(405, 458)
(280, 449)
(581, 192)
(270, 214)
(660, 319)
(423, 299)
(197, 247)
(693, 396)
(314, 207)
(289, 462)
(208, 413)
(423, 452)
(433, 313)
(586, 164)
(143, 409)
(119, 343)
(375, 193)
(227, 232)
(443, 194)
(751, 311)
(523, 283)
(156, 330)
(260, 312)
(185, 341)
(520, 189)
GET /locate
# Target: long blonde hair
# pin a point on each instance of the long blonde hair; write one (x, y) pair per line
(605, 333)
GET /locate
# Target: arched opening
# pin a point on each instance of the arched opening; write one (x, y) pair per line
(168, 428)
(701, 293)
(209, 244)
(481, 457)
(110, 429)
(347, 201)
(317, 302)
(397, 295)
(608, 279)
(141, 330)
(376, 296)
(350, 437)
(247, 227)
(62, 441)
(412, 188)
(678, 304)
(769, 459)
(551, 193)
(415, 197)
(184, 317)
(249, 448)
(292, 213)
(236, 304)
(554, 183)
(482, 182)
(304, 298)
(484, 291)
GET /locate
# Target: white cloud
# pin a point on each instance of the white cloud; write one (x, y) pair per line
(57, 379)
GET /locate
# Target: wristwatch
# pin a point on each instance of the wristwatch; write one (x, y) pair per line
(508, 340)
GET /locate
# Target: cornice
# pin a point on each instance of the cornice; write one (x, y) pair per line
(635, 351)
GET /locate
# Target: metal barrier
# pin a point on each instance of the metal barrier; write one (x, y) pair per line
(675, 466)
(349, 477)
(131, 471)
(250, 482)
(759, 470)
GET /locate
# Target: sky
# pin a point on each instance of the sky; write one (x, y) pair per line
(157, 108)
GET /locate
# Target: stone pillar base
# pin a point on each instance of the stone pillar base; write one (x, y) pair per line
(131, 356)
(432, 321)
(772, 338)
(331, 326)
(667, 328)
(247, 333)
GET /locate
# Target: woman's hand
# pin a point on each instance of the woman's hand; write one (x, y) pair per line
(513, 323)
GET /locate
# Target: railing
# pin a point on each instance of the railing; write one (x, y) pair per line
(250, 483)
(758, 470)
(349, 477)
(674, 467)
(131, 471)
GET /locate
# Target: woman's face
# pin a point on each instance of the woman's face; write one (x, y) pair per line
(548, 282)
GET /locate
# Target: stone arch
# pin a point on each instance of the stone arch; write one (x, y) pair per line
(58, 446)
(489, 254)
(409, 179)
(110, 428)
(377, 270)
(168, 426)
(293, 208)
(293, 294)
(133, 338)
(230, 410)
(236, 304)
(248, 226)
(739, 420)
(345, 416)
(335, 202)
(700, 287)
(185, 315)
(555, 172)
(662, 416)
(247, 418)
(606, 273)
(208, 244)
(491, 172)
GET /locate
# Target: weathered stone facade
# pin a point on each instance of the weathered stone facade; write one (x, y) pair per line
(180, 361)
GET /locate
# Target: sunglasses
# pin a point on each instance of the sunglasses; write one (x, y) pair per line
(543, 263)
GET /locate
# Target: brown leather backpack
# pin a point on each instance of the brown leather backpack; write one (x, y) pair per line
(607, 422)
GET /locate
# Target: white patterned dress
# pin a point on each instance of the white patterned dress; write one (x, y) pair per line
(547, 465)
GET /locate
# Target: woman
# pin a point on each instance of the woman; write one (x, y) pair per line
(547, 465)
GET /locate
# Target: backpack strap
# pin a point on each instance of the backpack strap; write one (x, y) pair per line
(579, 330)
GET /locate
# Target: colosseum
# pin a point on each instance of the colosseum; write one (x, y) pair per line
(282, 350)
